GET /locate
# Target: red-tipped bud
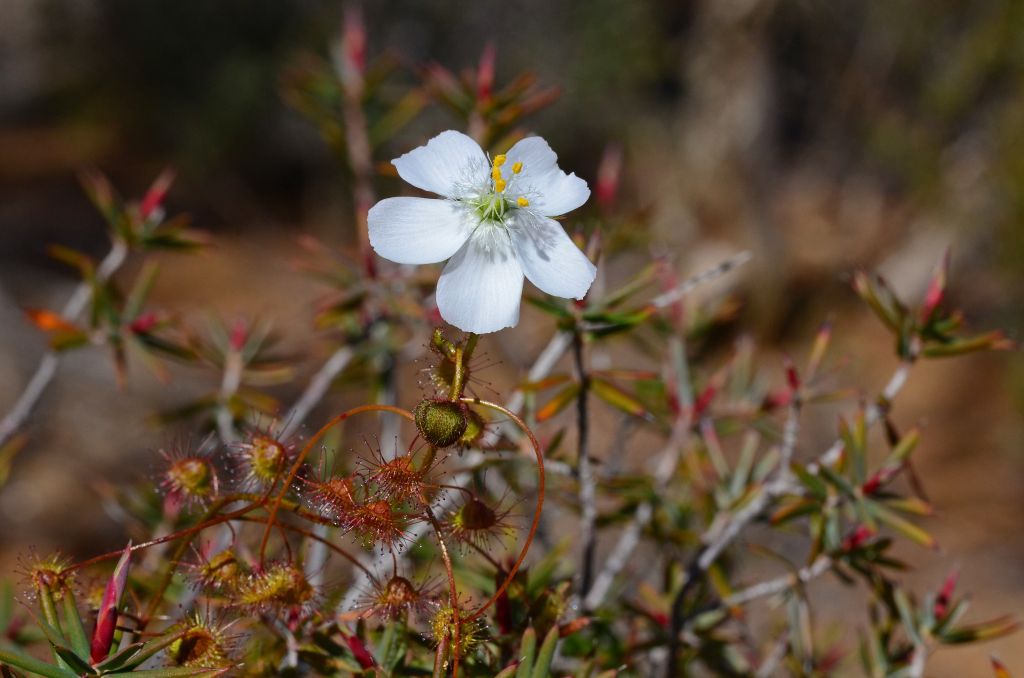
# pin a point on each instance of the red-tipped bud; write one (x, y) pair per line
(358, 649)
(239, 332)
(353, 42)
(999, 669)
(157, 192)
(942, 601)
(485, 73)
(106, 619)
(857, 539)
(144, 323)
(936, 288)
(792, 378)
(608, 173)
(705, 398)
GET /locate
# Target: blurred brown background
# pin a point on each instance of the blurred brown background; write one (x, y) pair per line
(820, 135)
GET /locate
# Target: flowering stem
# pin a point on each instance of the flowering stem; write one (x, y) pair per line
(460, 374)
(305, 451)
(540, 500)
(470, 347)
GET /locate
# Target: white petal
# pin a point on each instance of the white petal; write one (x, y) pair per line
(548, 257)
(480, 288)
(417, 230)
(549, 190)
(447, 161)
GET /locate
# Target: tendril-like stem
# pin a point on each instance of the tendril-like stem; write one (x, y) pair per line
(306, 533)
(452, 593)
(540, 500)
(302, 457)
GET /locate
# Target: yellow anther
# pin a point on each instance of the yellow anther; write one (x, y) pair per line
(499, 160)
(517, 168)
(496, 174)
(499, 185)
(523, 202)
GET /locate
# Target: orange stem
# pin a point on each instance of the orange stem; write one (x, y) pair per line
(298, 530)
(456, 617)
(171, 537)
(540, 500)
(298, 462)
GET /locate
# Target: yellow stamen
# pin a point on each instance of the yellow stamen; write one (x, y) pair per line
(499, 160)
(517, 168)
(496, 174)
(499, 185)
(523, 202)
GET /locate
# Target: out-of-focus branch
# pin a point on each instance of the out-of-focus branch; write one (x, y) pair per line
(229, 384)
(774, 659)
(681, 290)
(316, 389)
(917, 664)
(819, 567)
(44, 374)
(545, 362)
(350, 64)
(631, 534)
(781, 484)
(585, 470)
(874, 412)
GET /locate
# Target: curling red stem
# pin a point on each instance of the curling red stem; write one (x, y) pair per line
(540, 500)
(305, 451)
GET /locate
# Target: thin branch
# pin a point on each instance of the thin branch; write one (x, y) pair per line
(819, 567)
(542, 367)
(918, 662)
(316, 389)
(231, 380)
(631, 534)
(680, 290)
(874, 412)
(774, 659)
(664, 470)
(585, 471)
(777, 487)
(44, 374)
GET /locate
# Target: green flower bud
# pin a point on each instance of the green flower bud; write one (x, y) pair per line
(475, 516)
(474, 429)
(441, 422)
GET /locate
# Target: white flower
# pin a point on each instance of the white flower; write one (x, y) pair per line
(492, 223)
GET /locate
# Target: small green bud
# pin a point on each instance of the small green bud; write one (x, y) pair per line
(474, 429)
(475, 516)
(441, 422)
